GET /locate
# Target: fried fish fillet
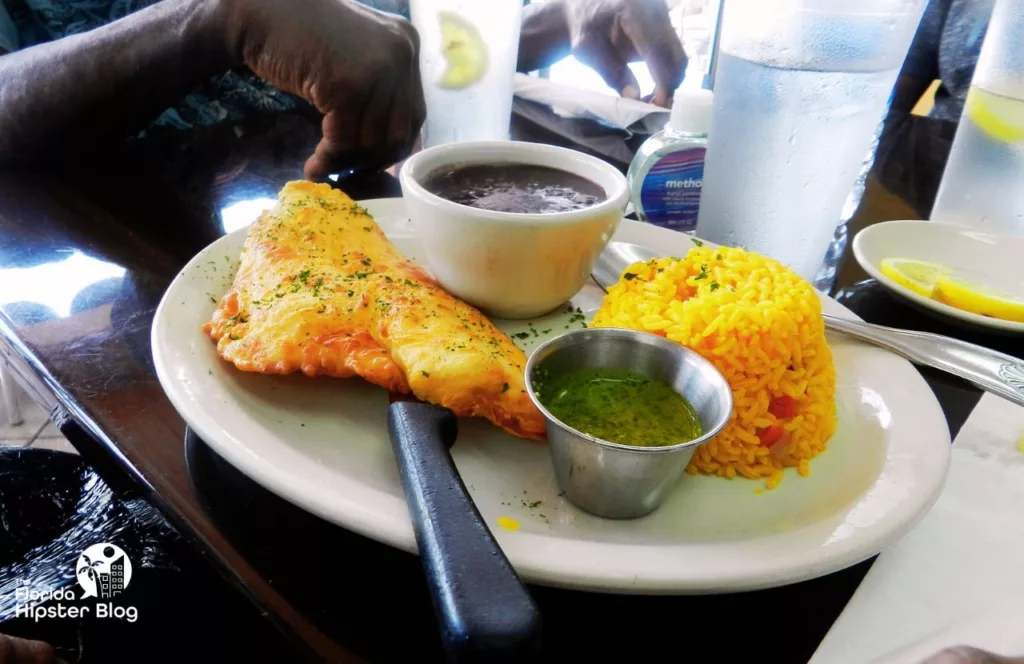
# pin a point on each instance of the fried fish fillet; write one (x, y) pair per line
(321, 290)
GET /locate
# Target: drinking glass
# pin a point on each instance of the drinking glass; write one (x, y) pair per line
(468, 52)
(800, 89)
(981, 185)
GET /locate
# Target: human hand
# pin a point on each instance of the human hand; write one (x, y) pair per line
(969, 655)
(23, 651)
(357, 66)
(607, 35)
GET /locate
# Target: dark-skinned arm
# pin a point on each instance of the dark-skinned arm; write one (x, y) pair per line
(544, 37)
(60, 98)
(606, 35)
(356, 65)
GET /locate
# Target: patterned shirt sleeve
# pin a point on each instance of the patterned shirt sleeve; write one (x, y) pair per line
(400, 7)
(8, 31)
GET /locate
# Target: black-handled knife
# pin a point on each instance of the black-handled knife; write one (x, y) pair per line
(484, 611)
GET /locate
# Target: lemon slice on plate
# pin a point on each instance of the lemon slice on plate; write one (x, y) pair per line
(979, 299)
(464, 50)
(1000, 117)
(921, 277)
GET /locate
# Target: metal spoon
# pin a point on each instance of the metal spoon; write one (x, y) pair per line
(998, 373)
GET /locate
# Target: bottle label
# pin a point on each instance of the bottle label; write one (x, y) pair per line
(670, 194)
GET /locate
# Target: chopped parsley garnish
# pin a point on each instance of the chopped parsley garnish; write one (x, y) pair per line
(521, 335)
(303, 276)
(426, 374)
(696, 242)
(714, 285)
(504, 388)
(629, 276)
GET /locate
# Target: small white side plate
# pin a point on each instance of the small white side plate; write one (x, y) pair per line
(985, 258)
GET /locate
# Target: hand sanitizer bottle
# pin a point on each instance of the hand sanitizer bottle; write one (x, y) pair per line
(666, 175)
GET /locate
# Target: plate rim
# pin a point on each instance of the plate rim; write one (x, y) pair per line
(794, 569)
(934, 305)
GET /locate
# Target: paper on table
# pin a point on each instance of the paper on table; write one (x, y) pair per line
(963, 562)
(570, 101)
(997, 630)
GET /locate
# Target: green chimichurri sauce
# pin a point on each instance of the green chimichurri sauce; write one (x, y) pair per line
(619, 406)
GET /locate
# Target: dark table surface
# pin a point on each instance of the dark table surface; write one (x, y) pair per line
(87, 252)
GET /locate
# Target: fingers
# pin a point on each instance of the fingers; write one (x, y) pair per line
(374, 135)
(968, 655)
(14, 650)
(408, 111)
(381, 135)
(597, 52)
(418, 106)
(339, 144)
(647, 25)
(371, 122)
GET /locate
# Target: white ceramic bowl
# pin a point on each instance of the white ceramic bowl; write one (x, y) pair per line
(511, 265)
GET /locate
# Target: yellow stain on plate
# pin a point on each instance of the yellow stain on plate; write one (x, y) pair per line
(1020, 443)
(759, 491)
(508, 523)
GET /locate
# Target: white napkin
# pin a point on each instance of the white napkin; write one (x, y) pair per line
(570, 101)
(958, 577)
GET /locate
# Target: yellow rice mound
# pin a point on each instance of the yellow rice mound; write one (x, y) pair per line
(761, 325)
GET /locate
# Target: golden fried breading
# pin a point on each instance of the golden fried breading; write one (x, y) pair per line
(321, 290)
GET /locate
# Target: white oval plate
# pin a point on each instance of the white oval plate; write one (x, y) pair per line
(323, 445)
(985, 258)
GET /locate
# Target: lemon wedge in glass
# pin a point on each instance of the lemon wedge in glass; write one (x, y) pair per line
(464, 51)
(1000, 117)
(921, 277)
(979, 299)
